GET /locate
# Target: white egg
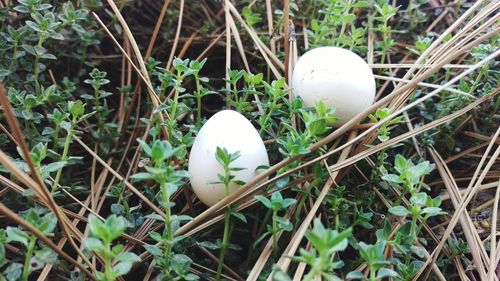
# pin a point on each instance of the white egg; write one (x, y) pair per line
(338, 77)
(231, 130)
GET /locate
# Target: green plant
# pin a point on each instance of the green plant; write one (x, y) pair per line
(132, 214)
(43, 221)
(117, 262)
(336, 26)
(169, 178)
(384, 131)
(385, 13)
(98, 79)
(76, 112)
(225, 158)
(374, 257)
(421, 205)
(325, 244)
(318, 121)
(276, 204)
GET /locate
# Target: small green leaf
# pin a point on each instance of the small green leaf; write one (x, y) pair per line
(355, 275)
(16, 234)
(386, 272)
(399, 211)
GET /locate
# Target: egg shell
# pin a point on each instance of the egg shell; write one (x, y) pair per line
(338, 77)
(231, 130)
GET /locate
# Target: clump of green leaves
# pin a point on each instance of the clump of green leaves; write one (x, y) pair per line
(318, 121)
(117, 262)
(420, 208)
(225, 158)
(98, 79)
(169, 178)
(383, 46)
(374, 257)
(76, 115)
(35, 256)
(384, 131)
(336, 25)
(325, 244)
(276, 204)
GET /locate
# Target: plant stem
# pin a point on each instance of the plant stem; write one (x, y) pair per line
(168, 225)
(176, 97)
(56, 136)
(100, 123)
(14, 54)
(372, 274)
(227, 226)
(37, 57)
(27, 259)
(225, 242)
(64, 156)
(198, 101)
(108, 270)
(236, 99)
(275, 230)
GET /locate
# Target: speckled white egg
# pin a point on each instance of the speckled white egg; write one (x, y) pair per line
(338, 77)
(231, 130)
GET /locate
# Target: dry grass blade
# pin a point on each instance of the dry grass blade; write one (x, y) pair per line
(493, 258)
(471, 191)
(177, 34)
(423, 84)
(470, 231)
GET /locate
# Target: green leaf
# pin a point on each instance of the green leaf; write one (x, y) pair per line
(122, 268)
(161, 107)
(117, 209)
(128, 256)
(97, 227)
(46, 255)
(116, 226)
(76, 108)
(16, 234)
(145, 147)
(263, 200)
(401, 164)
(419, 198)
(433, 211)
(93, 244)
(284, 223)
(355, 275)
(386, 272)
(209, 245)
(157, 152)
(392, 178)
(156, 217)
(155, 251)
(156, 236)
(279, 275)
(13, 271)
(239, 216)
(399, 211)
(142, 176)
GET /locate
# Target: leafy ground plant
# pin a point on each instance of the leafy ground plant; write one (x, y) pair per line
(100, 103)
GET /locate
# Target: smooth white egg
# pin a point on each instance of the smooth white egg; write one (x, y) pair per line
(231, 130)
(338, 77)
